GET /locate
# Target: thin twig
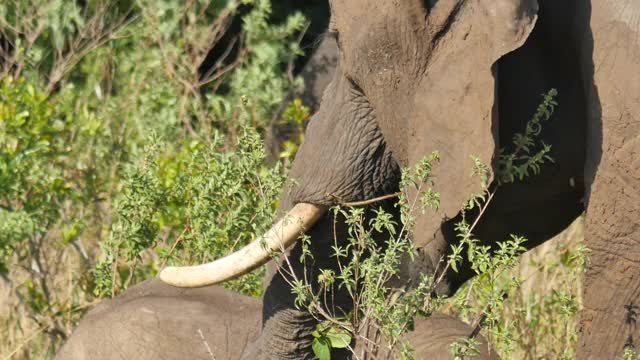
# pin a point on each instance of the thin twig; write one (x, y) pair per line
(175, 244)
(50, 325)
(26, 341)
(369, 201)
(113, 276)
(482, 209)
(478, 325)
(206, 344)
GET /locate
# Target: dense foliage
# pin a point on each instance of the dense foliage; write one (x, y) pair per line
(119, 154)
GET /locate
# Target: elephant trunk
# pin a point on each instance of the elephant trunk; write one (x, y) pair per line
(287, 327)
(282, 235)
(287, 333)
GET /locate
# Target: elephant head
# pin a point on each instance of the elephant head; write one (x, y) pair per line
(413, 77)
(155, 321)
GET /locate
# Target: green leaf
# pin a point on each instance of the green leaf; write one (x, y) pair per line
(321, 348)
(454, 266)
(338, 338)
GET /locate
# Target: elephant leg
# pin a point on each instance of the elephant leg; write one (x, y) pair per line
(612, 282)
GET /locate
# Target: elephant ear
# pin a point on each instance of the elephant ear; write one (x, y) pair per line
(455, 104)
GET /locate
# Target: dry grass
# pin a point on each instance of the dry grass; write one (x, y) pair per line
(543, 332)
(25, 336)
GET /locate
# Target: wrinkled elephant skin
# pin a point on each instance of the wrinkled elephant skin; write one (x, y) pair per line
(612, 283)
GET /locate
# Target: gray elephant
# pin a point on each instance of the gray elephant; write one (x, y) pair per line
(153, 320)
(461, 77)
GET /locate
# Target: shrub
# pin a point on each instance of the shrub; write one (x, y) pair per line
(118, 154)
(198, 205)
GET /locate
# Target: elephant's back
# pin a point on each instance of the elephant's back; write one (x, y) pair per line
(156, 321)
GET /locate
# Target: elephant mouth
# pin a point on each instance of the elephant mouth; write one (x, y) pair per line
(277, 239)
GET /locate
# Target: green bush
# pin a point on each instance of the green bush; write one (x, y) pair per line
(195, 206)
(117, 156)
(49, 179)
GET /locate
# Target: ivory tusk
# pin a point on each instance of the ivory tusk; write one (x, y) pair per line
(282, 235)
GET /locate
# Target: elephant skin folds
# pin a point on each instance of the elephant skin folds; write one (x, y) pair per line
(612, 282)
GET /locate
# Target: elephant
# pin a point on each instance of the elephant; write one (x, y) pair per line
(462, 77)
(153, 320)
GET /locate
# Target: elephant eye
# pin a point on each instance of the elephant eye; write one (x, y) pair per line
(355, 88)
(335, 35)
